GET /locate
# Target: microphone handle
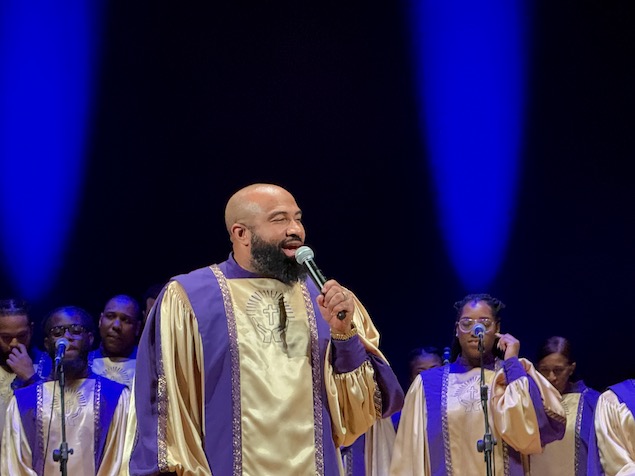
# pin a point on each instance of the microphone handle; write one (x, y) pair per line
(320, 280)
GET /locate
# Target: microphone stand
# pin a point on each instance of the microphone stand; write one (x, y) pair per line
(61, 455)
(486, 445)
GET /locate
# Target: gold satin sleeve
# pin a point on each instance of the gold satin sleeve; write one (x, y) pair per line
(514, 414)
(410, 454)
(114, 446)
(352, 396)
(614, 428)
(17, 458)
(129, 437)
(181, 422)
(180, 391)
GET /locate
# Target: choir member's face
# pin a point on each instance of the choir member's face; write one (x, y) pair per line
(14, 330)
(68, 325)
(119, 327)
(424, 362)
(557, 369)
(472, 313)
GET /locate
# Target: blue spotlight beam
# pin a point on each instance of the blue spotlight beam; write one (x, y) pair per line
(470, 63)
(46, 73)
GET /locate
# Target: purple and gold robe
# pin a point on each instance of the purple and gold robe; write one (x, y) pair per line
(95, 409)
(615, 429)
(442, 420)
(576, 454)
(237, 374)
(119, 369)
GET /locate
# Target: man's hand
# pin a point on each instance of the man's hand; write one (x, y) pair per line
(20, 362)
(335, 298)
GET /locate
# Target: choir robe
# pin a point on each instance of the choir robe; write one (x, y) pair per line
(96, 410)
(442, 420)
(9, 382)
(576, 454)
(615, 429)
(237, 374)
(119, 369)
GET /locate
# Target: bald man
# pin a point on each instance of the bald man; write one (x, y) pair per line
(245, 368)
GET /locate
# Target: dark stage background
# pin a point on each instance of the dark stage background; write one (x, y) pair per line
(195, 102)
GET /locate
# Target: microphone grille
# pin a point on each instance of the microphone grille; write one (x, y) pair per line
(63, 341)
(479, 329)
(303, 253)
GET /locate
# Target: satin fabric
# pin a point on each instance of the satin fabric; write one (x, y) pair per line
(80, 401)
(576, 454)
(7, 378)
(118, 369)
(615, 431)
(203, 351)
(439, 440)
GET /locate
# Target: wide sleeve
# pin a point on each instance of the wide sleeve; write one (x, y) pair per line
(410, 454)
(17, 457)
(114, 445)
(614, 429)
(526, 409)
(169, 391)
(361, 387)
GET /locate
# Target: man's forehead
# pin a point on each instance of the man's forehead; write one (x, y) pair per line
(66, 317)
(122, 306)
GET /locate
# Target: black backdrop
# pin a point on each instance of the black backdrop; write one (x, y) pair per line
(195, 102)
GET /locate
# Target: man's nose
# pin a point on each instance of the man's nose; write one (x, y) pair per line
(295, 228)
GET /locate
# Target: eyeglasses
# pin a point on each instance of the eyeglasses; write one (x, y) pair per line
(466, 324)
(73, 329)
(557, 371)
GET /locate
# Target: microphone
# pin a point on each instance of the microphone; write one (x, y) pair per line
(60, 350)
(304, 255)
(479, 330)
(446, 355)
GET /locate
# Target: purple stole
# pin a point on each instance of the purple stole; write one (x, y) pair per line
(354, 457)
(435, 384)
(625, 392)
(586, 454)
(107, 395)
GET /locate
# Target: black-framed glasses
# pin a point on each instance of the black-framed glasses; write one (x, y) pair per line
(466, 324)
(73, 329)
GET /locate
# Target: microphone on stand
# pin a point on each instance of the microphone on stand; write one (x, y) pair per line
(60, 350)
(304, 255)
(479, 331)
(446, 355)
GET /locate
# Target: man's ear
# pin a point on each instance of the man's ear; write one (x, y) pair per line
(91, 339)
(240, 233)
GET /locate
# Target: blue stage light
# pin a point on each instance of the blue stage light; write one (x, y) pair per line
(470, 62)
(47, 59)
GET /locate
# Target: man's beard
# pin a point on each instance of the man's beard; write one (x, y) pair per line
(76, 367)
(269, 260)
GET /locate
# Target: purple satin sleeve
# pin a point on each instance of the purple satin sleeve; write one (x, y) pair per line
(350, 354)
(550, 428)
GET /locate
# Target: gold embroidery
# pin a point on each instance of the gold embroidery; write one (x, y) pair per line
(317, 379)
(235, 369)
